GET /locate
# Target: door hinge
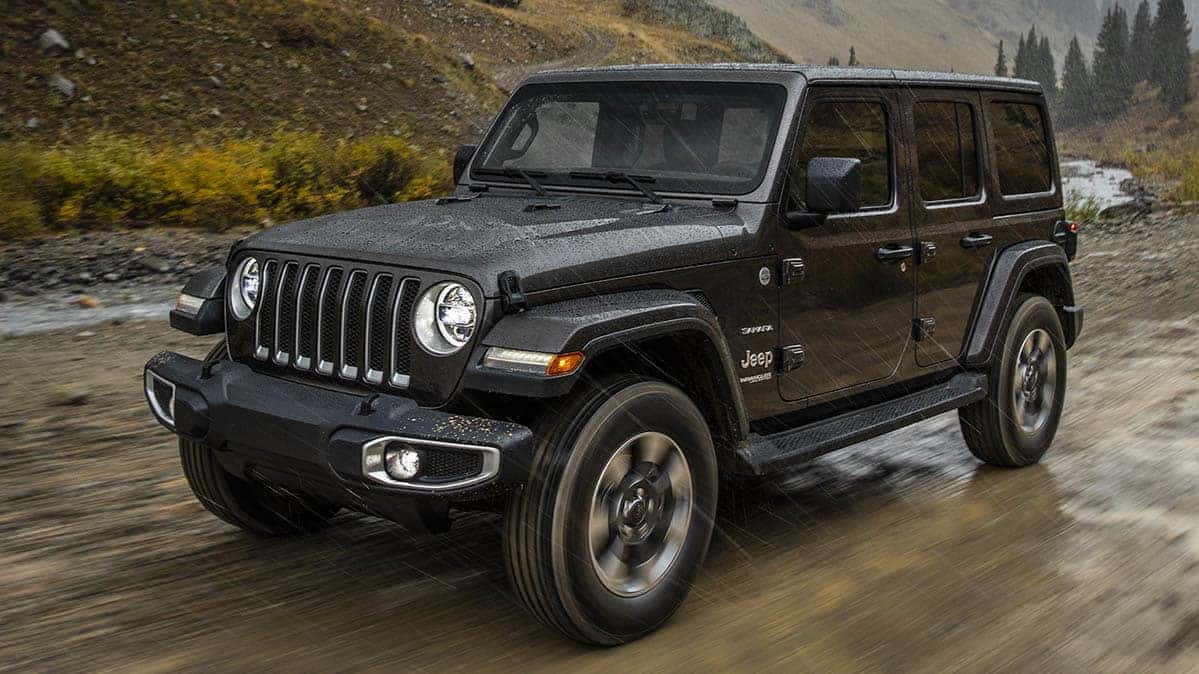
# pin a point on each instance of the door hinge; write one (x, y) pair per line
(927, 251)
(923, 328)
(512, 296)
(794, 270)
(794, 357)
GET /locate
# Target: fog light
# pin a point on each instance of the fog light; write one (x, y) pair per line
(402, 462)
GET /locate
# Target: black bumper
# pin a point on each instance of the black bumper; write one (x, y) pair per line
(303, 436)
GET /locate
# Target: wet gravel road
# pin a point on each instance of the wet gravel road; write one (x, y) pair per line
(899, 554)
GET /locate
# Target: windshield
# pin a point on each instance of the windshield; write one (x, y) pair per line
(712, 138)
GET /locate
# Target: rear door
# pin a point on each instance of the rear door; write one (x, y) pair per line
(849, 311)
(951, 214)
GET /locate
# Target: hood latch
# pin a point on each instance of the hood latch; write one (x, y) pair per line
(512, 296)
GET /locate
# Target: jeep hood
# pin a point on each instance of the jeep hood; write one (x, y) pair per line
(549, 242)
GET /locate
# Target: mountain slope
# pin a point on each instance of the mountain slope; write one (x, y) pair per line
(938, 34)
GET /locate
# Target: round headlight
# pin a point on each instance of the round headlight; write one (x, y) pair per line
(445, 318)
(243, 292)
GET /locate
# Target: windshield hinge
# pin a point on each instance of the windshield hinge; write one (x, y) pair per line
(512, 296)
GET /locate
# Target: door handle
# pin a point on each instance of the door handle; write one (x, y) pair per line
(893, 252)
(977, 240)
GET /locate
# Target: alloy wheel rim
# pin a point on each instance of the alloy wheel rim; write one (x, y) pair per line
(640, 512)
(1034, 382)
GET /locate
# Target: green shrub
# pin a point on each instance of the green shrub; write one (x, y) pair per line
(110, 180)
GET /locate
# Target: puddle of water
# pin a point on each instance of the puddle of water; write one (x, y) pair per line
(1082, 179)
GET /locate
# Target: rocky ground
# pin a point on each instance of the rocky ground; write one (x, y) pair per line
(107, 264)
(898, 554)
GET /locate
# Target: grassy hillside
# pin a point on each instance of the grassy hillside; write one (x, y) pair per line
(1159, 145)
(938, 34)
(220, 68)
(226, 112)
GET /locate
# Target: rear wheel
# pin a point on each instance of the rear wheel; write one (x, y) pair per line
(604, 541)
(1015, 424)
(254, 507)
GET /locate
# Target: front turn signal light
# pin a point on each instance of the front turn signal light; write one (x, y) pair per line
(532, 362)
(563, 363)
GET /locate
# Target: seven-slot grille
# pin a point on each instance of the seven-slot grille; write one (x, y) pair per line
(336, 321)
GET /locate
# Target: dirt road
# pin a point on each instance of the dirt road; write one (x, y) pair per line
(899, 554)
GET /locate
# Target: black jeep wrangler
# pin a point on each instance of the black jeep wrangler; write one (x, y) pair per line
(648, 280)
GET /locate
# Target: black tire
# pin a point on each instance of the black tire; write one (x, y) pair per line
(549, 546)
(1000, 429)
(250, 506)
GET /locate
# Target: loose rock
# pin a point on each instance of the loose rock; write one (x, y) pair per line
(52, 40)
(69, 394)
(62, 85)
(88, 302)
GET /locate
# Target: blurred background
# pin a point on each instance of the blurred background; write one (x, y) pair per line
(139, 140)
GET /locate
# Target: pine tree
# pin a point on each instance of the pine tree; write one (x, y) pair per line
(1048, 70)
(1021, 69)
(1077, 97)
(853, 57)
(1032, 65)
(1113, 81)
(1140, 45)
(1171, 52)
(1001, 62)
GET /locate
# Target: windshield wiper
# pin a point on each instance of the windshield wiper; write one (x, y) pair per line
(622, 177)
(515, 172)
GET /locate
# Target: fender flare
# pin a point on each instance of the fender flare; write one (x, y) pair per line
(593, 325)
(208, 286)
(1008, 271)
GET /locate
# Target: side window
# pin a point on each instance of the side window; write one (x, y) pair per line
(1021, 149)
(854, 129)
(946, 150)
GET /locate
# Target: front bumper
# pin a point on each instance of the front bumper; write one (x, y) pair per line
(324, 441)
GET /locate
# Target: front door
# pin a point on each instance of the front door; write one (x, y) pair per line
(850, 311)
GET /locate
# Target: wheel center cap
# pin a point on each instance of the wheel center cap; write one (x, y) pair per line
(635, 511)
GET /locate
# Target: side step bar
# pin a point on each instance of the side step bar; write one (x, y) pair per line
(767, 454)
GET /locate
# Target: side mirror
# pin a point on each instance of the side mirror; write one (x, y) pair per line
(834, 185)
(462, 159)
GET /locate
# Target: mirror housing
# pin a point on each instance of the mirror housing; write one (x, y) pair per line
(834, 185)
(462, 159)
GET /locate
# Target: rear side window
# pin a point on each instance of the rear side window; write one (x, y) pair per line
(1021, 148)
(946, 150)
(849, 129)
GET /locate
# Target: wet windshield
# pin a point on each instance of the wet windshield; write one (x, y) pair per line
(711, 138)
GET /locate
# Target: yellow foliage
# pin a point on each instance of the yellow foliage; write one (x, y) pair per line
(111, 180)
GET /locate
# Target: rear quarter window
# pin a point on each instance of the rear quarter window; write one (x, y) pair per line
(1021, 148)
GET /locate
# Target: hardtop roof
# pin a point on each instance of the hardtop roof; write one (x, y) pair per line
(811, 73)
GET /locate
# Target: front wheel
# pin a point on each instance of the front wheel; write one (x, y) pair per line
(1014, 425)
(604, 541)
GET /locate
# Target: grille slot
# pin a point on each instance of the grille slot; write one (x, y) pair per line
(377, 330)
(265, 327)
(351, 325)
(306, 313)
(328, 316)
(285, 314)
(336, 322)
(401, 334)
